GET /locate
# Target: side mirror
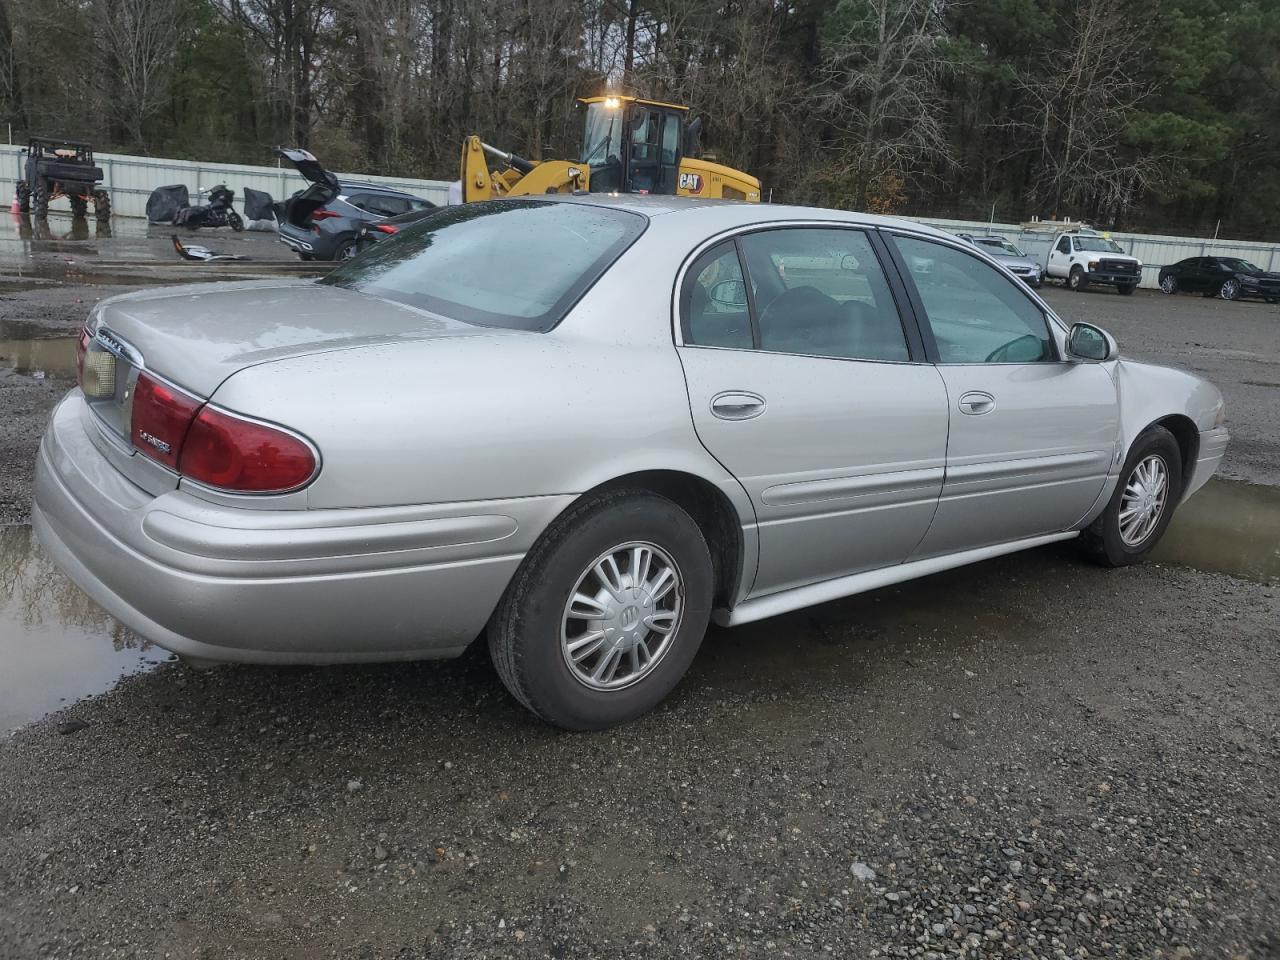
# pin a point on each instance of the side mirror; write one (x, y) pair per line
(729, 293)
(1091, 344)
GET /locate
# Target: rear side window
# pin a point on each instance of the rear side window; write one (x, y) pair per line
(519, 264)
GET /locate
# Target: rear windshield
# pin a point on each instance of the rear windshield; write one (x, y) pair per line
(519, 264)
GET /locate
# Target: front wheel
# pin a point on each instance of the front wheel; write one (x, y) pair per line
(102, 206)
(1140, 508)
(40, 198)
(606, 612)
(1168, 284)
(1230, 289)
(23, 192)
(233, 218)
(1077, 281)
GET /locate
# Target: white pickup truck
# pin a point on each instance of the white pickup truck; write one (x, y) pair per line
(1081, 257)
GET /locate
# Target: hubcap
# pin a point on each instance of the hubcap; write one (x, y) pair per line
(1229, 290)
(1167, 284)
(1142, 504)
(622, 615)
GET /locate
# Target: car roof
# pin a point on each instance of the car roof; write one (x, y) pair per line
(733, 213)
(365, 185)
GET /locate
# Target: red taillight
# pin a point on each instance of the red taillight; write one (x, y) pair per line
(161, 416)
(244, 456)
(323, 214)
(387, 228)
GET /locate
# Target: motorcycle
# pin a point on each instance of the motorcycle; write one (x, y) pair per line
(218, 212)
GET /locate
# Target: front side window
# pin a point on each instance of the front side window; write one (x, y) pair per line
(1064, 245)
(512, 263)
(975, 313)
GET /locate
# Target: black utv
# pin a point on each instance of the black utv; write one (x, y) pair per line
(62, 168)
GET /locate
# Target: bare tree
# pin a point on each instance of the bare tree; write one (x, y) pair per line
(1083, 99)
(883, 97)
(136, 43)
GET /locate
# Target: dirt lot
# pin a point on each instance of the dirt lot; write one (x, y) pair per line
(1028, 758)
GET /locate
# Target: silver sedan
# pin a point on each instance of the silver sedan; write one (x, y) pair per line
(585, 427)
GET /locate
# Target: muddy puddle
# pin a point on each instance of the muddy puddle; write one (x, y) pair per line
(56, 645)
(1228, 526)
(40, 357)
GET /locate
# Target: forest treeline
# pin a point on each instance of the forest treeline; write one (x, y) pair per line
(1146, 114)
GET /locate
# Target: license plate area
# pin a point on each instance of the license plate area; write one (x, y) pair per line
(108, 375)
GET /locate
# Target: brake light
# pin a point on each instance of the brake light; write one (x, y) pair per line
(245, 456)
(323, 214)
(386, 228)
(160, 418)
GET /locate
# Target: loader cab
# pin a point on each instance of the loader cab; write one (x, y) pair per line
(632, 145)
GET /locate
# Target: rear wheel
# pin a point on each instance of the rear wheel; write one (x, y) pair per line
(102, 205)
(1169, 283)
(1140, 508)
(1127, 288)
(346, 249)
(40, 198)
(23, 191)
(79, 206)
(606, 612)
(1077, 280)
(1230, 289)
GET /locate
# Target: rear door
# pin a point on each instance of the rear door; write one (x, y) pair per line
(807, 386)
(1032, 436)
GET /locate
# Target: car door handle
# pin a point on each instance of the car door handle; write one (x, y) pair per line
(737, 405)
(976, 403)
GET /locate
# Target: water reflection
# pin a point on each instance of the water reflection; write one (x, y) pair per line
(1228, 526)
(56, 645)
(52, 356)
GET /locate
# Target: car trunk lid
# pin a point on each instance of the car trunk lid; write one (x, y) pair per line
(196, 336)
(322, 188)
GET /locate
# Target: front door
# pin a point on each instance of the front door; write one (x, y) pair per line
(803, 384)
(1032, 436)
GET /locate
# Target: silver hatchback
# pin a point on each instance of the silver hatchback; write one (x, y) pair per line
(584, 428)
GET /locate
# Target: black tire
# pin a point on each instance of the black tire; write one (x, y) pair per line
(346, 249)
(1077, 280)
(1102, 541)
(1169, 284)
(525, 630)
(102, 205)
(1230, 290)
(235, 220)
(79, 206)
(1127, 288)
(40, 198)
(23, 192)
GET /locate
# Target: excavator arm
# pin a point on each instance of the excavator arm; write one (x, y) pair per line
(517, 177)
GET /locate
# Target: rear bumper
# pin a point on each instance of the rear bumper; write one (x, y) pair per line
(219, 583)
(292, 238)
(1213, 445)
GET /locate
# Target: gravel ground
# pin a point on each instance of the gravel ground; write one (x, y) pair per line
(1028, 758)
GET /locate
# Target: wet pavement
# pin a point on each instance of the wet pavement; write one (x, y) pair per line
(57, 646)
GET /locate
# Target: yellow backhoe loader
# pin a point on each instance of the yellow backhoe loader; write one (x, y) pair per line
(629, 145)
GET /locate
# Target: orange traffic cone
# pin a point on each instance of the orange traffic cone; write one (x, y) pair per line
(15, 207)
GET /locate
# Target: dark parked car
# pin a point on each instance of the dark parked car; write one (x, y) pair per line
(371, 233)
(323, 221)
(1228, 277)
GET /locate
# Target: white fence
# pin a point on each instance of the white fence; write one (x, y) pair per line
(1154, 251)
(130, 180)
